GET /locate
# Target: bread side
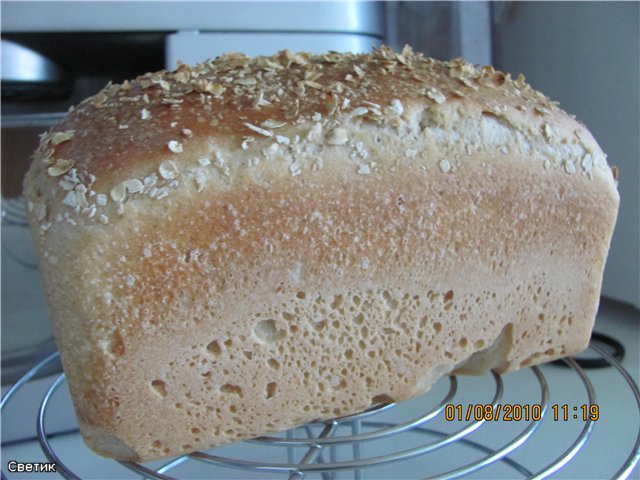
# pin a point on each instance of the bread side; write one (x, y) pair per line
(252, 244)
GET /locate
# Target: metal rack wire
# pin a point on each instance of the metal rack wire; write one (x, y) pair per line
(351, 435)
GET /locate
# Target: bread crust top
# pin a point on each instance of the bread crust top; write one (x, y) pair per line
(151, 136)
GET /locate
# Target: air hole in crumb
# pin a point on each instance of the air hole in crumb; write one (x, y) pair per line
(271, 389)
(214, 349)
(359, 319)
(348, 354)
(228, 343)
(390, 302)
(437, 326)
(364, 332)
(337, 301)
(266, 331)
(273, 364)
(320, 325)
(382, 398)
(159, 387)
(248, 354)
(479, 344)
(231, 389)
(195, 430)
(301, 295)
(463, 342)
(541, 317)
(156, 444)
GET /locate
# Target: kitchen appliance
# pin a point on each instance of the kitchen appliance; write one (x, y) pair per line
(75, 48)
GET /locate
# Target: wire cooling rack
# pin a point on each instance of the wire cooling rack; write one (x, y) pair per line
(379, 443)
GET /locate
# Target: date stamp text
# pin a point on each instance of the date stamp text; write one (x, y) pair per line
(516, 412)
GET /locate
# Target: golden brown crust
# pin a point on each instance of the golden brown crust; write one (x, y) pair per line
(305, 235)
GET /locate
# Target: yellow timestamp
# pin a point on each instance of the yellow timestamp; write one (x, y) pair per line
(584, 412)
(516, 412)
(506, 412)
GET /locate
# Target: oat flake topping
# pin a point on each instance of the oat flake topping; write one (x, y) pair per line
(276, 108)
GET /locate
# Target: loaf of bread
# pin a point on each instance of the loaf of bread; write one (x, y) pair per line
(250, 244)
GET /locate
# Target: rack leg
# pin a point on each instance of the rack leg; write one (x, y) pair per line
(356, 429)
(290, 448)
(314, 449)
